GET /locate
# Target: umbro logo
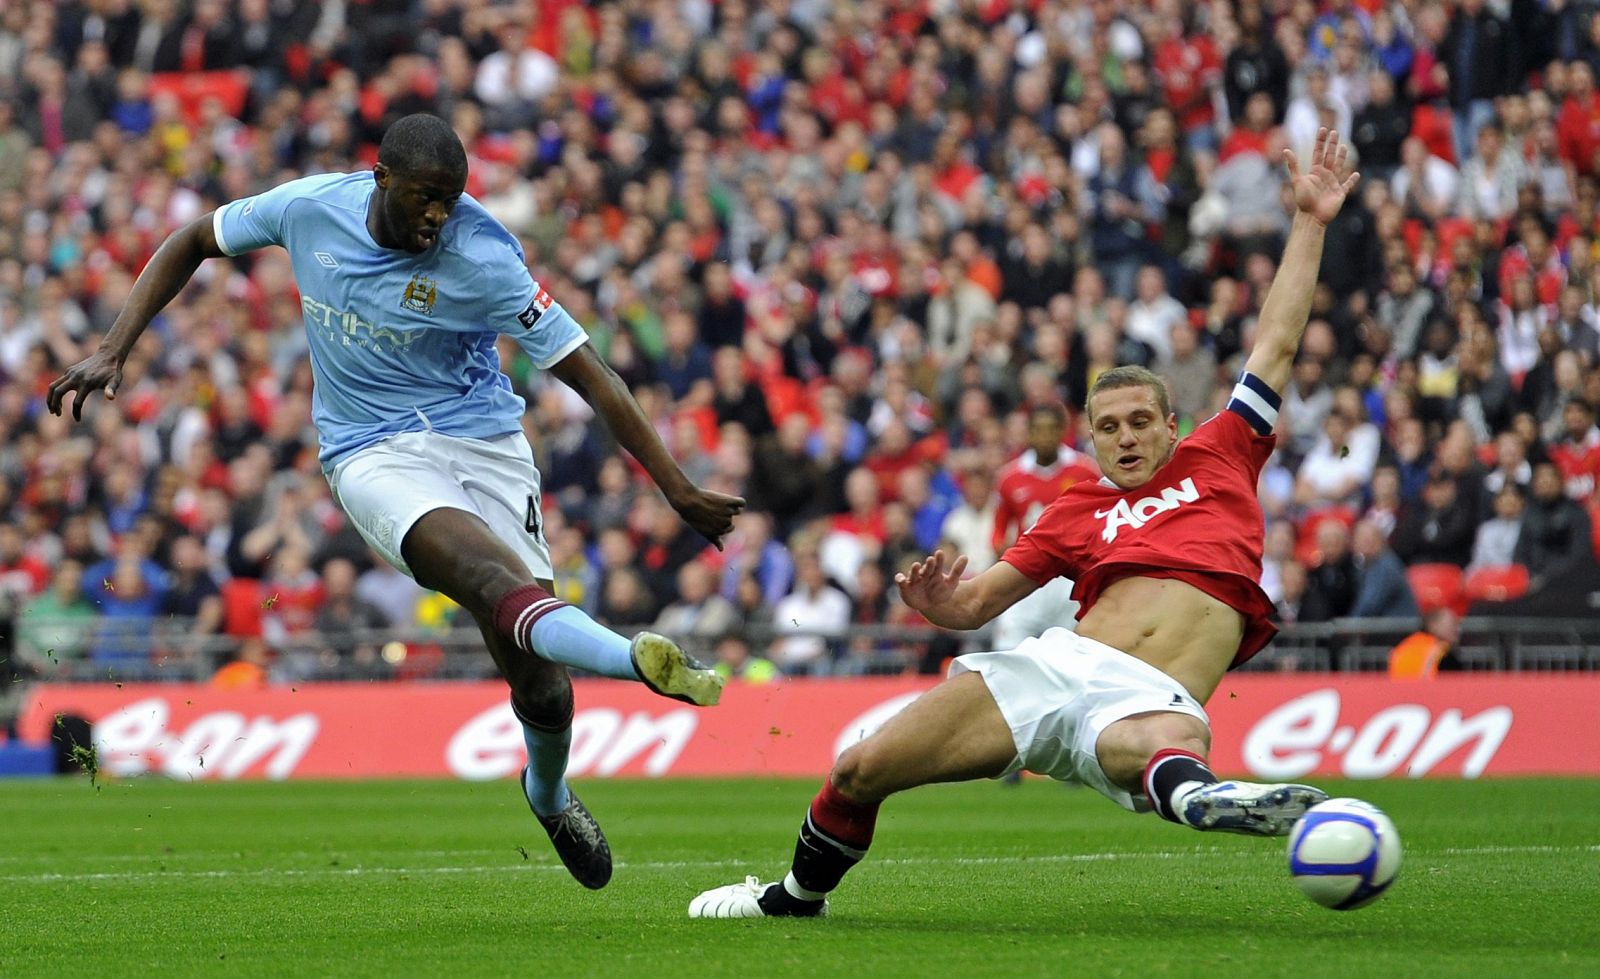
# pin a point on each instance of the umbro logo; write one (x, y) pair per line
(326, 261)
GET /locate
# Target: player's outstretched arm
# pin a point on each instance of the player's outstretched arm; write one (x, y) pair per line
(1318, 195)
(169, 271)
(944, 599)
(708, 512)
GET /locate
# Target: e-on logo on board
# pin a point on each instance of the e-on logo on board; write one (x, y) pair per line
(421, 291)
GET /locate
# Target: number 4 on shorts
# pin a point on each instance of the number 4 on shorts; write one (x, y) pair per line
(534, 523)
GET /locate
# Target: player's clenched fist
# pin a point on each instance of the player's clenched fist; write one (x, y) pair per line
(927, 584)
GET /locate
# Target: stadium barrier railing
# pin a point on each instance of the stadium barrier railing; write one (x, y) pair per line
(167, 650)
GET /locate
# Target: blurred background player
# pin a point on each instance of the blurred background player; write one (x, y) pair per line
(1166, 552)
(1027, 485)
(405, 284)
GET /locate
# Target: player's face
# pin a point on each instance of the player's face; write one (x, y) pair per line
(1044, 434)
(1131, 438)
(415, 206)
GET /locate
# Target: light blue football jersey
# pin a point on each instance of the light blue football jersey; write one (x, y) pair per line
(402, 342)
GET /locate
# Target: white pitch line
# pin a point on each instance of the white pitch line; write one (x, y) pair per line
(1198, 852)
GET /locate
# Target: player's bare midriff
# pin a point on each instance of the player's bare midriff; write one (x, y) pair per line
(1175, 627)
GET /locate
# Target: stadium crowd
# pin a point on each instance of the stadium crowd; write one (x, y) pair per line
(848, 256)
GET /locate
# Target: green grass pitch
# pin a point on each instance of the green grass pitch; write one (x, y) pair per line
(150, 877)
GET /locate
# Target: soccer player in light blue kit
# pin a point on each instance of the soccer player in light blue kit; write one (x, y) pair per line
(405, 285)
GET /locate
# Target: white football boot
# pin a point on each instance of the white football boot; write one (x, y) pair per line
(1252, 808)
(735, 901)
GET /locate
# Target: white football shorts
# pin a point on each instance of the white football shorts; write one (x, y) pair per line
(386, 488)
(1060, 691)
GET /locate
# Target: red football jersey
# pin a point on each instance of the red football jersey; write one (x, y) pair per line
(1197, 521)
(1026, 488)
(1579, 463)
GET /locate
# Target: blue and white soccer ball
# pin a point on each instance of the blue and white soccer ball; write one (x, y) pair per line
(1344, 853)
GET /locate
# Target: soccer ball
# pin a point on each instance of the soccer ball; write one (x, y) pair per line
(1344, 853)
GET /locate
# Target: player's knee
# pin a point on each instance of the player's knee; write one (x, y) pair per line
(1127, 746)
(858, 774)
(545, 702)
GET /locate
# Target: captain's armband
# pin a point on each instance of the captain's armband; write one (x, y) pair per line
(1254, 400)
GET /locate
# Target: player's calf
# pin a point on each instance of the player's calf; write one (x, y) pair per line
(545, 626)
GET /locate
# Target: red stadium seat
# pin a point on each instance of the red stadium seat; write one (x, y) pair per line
(1436, 586)
(1497, 584)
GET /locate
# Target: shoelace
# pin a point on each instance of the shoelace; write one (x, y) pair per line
(754, 884)
(577, 827)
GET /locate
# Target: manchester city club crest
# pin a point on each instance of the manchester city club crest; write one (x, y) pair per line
(421, 291)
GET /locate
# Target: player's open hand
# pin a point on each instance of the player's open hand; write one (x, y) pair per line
(710, 513)
(1320, 191)
(929, 583)
(100, 370)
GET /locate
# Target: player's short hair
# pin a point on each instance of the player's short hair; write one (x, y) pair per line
(422, 143)
(1049, 409)
(1131, 376)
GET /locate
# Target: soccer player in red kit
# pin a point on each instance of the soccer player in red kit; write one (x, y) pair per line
(1027, 485)
(1166, 550)
(1033, 480)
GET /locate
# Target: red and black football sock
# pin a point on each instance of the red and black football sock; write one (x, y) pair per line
(1171, 774)
(834, 837)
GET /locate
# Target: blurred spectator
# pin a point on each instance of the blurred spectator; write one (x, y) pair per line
(393, 594)
(784, 480)
(192, 593)
(1382, 590)
(625, 601)
(294, 594)
(735, 661)
(613, 501)
(1339, 465)
(1478, 56)
(1426, 185)
(699, 611)
(1424, 653)
(1577, 452)
(1555, 529)
(1496, 542)
(21, 574)
(1384, 505)
(1441, 530)
(574, 577)
(1277, 552)
(1491, 178)
(736, 399)
(343, 617)
(55, 627)
(1256, 64)
(128, 592)
(1296, 583)
(1380, 127)
(968, 530)
(1331, 585)
(816, 607)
